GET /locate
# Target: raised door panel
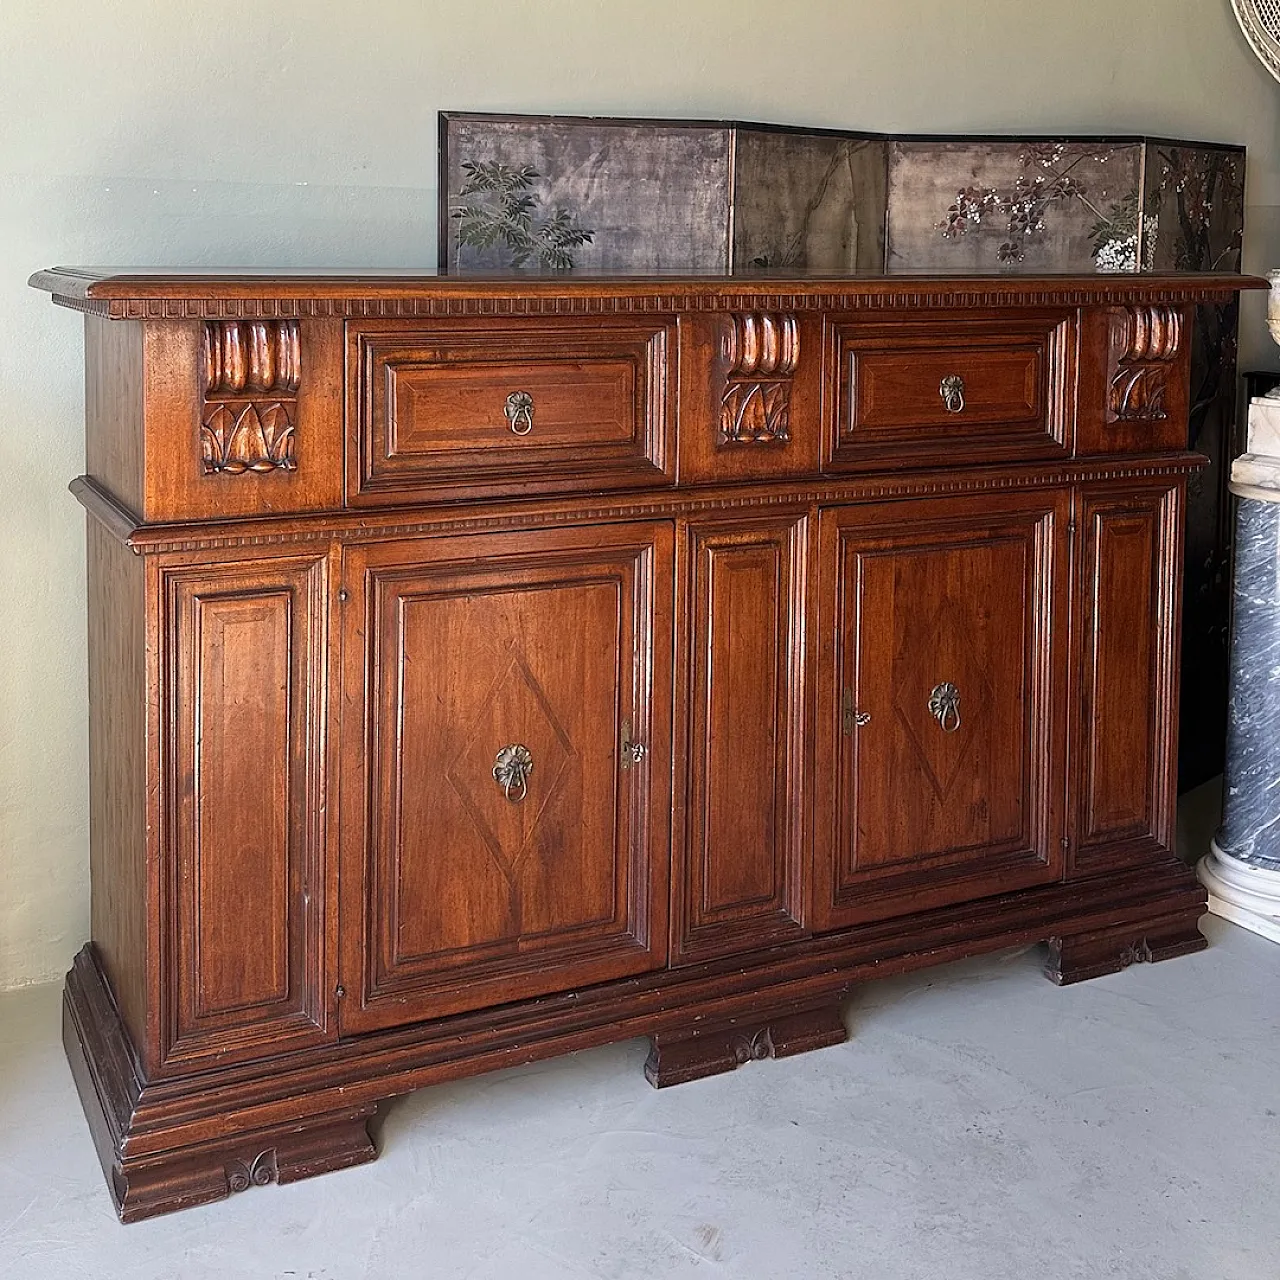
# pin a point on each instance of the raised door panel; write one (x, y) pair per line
(941, 696)
(244, 694)
(510, 833)
(1126, 727)
(738, 886)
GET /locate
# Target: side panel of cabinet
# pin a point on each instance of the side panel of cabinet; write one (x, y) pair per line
(738, 881)
(1125, 732)
(243, 818)
(120, 857)
(941, 696)
(509, 833)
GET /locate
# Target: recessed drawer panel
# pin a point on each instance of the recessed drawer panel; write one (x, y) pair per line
(891, 390)
(944, 392)
(507, 408)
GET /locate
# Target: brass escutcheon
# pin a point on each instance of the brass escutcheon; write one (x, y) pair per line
(850, 717)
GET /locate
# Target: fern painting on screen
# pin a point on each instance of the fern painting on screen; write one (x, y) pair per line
(553, 194)
(499, 210)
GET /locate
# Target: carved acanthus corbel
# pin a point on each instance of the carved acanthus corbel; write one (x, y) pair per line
(1145, 343)
(761, 351)
(251, 374)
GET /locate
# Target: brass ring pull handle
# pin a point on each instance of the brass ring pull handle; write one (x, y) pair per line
(952, 393)
(519, 411)
(511, 771)
(944, 706)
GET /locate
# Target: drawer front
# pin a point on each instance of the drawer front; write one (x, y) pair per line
(938, 392)
(508, 408)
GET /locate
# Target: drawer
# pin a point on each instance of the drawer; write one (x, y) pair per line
(945, 391)
(510, 407)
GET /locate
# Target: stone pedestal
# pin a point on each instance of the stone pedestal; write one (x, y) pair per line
(1242, 870)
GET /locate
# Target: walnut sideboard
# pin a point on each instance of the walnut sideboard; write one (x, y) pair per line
(482, 669)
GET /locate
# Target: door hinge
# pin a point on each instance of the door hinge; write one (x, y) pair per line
(850, 716)
(632, 752)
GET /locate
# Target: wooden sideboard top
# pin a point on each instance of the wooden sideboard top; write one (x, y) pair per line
(198, 293)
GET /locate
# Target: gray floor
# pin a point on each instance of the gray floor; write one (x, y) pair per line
(980, 1123)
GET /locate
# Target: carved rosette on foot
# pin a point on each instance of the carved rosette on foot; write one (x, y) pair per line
(251, 376)
(680, 1056)
(1145, 342)
(164, 1150)
(761, 351)
(161, 1183)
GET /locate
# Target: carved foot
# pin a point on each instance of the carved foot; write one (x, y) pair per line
(150, 1185)
(1081, 956)
(680, 1056)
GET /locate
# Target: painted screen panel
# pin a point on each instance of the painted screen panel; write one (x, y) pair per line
(809, 201)
(539, 192)
(1019, 205)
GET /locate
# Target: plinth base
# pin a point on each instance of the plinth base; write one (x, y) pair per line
(1245, 895)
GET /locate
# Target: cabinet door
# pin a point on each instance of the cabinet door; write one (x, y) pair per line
(1125, 724)
(244, 657)
(509, 832)
(940, 735)
(738, 883)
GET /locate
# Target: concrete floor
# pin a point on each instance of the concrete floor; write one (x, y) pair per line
(980, 1123)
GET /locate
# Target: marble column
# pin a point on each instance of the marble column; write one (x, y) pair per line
(1242, 869)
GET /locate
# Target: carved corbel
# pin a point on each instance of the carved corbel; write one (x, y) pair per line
(760, 351)
(1144, 348)
(251, 373)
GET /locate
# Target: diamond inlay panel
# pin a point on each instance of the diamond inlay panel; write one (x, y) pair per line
(946, 655)
(941, 703)
(475, 867)
(517, 710)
